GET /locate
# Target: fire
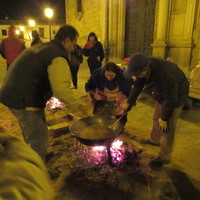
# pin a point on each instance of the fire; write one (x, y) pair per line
(98, 154)
(54, 103)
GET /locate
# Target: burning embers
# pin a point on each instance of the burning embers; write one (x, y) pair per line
(116, 154)
(54, 104)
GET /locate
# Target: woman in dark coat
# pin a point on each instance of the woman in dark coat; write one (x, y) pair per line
(108, 90)
(94, 51)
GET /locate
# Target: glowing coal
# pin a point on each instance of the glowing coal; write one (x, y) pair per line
(97, 155)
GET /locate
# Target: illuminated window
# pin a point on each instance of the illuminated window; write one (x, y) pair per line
(4, 32)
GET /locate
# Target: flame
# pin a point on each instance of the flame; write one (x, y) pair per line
(98, 148)
(116, 144)
(54, 103)
(98, 154)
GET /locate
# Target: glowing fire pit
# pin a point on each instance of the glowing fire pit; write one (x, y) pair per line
(116, 154)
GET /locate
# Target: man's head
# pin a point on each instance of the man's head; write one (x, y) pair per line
(68, 36)
(11, 31)
(111, 71)
(138, 66)
(35, 34)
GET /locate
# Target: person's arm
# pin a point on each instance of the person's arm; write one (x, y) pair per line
(23, 173)
(90, 87)
(87, 49)
(101, 52)
(76, 56)
(60, 80)
(135, 92)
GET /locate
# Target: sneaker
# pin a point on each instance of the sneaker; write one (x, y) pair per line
(158, 162)
(148, 141)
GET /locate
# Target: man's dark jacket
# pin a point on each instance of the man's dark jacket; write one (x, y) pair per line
(166, 83)
(27, 83)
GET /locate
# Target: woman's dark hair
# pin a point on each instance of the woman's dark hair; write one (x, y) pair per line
(66, 31)
(92, 34)
(110, 66)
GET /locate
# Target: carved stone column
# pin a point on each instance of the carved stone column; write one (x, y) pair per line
(161, 28)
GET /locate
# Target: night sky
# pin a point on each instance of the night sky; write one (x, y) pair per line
(23, 9)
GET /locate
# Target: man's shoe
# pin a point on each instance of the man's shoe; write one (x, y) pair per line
(159, 162)
(148, 141)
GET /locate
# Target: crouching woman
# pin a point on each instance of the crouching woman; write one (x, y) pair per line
(107, 90)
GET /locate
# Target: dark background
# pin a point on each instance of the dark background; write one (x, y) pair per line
(23, 9)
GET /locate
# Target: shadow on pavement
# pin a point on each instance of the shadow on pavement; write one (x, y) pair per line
(184, 187)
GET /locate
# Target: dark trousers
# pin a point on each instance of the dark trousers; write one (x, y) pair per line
(74, 72)
(93, 66)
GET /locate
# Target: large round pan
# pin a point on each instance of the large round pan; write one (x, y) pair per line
(95, 130)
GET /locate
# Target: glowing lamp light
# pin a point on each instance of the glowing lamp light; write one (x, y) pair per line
(48, 12)
(22, 28)
(17, 32)
(31, 22)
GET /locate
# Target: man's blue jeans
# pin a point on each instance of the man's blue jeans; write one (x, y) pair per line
(34, 129)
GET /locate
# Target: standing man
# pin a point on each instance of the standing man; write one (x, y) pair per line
(39, 72)
(166, 82)
(36, 38)
(11, 46)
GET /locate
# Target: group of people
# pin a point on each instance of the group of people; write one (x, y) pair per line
(45, 70)
(12, 45)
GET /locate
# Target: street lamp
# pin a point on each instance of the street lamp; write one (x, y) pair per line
(31, 22)
(49, 13)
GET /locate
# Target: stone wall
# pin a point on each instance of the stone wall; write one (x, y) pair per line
(174, 31)
(91, 19)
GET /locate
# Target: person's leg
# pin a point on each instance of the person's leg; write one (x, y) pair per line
(156, 134)
(167, 139)
(73, 74)
(75, 80)
(34, 129)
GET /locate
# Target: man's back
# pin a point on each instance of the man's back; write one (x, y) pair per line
(11, 46)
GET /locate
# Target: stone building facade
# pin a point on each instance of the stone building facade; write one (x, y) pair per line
(163, 28)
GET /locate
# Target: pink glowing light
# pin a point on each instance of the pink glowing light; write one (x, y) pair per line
(54, 103)
(98, 148)
(99, 155)
(117, 144)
